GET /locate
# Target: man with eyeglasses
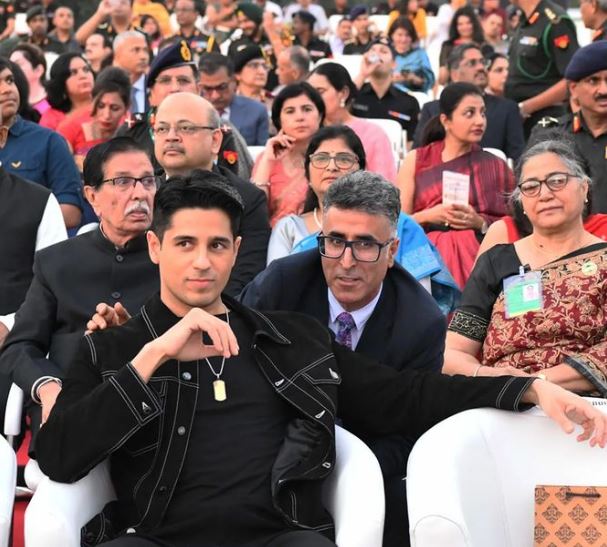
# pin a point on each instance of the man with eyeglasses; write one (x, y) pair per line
(217, 85)
(174, 71)
(586, 77)
(352, 284)
(109, 264)
(504, 125)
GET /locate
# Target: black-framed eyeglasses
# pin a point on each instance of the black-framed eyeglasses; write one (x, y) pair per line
(125, 182)
(220, 88)
(342, 160)
(363, 250)
(555, 182)
(181, 129)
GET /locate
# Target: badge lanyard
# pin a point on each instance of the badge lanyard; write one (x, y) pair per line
(523, 293)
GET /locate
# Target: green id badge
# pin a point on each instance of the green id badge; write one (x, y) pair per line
(523, 293)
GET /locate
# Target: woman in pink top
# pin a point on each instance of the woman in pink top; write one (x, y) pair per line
(297, 113)
(70, 88)
(337, 90)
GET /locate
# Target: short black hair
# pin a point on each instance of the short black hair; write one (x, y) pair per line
(405, 23)
(198, 190)
(210, 63)
(296, 90)
(98, 156)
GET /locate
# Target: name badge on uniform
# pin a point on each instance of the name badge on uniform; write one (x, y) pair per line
(528, 41)
(523, 293)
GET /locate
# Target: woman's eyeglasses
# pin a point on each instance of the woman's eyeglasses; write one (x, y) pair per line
(342, 160)
(555, 182)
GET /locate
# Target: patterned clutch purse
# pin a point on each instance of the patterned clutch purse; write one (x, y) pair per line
(573, 516)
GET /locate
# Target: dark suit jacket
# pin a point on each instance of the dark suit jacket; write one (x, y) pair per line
(251, 119)
(255, 230)
(405, 331)
(70, 279)
(504, 125)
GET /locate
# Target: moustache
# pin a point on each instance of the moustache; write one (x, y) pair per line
(138, 206)
(173, 147)
(601, 98)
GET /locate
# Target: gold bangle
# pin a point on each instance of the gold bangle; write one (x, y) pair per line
(542, 376)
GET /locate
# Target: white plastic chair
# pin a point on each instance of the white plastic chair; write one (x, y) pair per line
(395, 133)
(350, 62)
(353, 494)
(380, 22)
(497, 152)
(8, 482)
(422, 98)
(471, 478)
(255, 151)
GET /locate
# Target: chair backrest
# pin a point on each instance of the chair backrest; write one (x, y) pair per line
(353, 494)
(497, 152)
(471, 478)
(255, 151)
(350, 62)
(395, 133)
(422, 98)
(8, 481)
(380, 22)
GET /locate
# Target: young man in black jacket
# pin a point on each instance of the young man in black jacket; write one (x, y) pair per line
(218, 419)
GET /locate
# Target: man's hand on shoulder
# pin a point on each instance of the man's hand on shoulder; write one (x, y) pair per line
(107, 316)
(184, 342)
(568, 409)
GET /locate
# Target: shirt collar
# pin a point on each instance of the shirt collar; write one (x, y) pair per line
(138, 243)
(360, 316)
(18, 127)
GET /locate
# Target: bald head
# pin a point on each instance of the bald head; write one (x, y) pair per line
(187, 134)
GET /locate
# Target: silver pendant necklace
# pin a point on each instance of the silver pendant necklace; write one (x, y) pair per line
(219, 386)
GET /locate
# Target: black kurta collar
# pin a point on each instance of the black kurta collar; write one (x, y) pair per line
(138, 243)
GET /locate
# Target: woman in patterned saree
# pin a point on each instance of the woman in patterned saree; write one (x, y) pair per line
(455, 223)
(538, 306)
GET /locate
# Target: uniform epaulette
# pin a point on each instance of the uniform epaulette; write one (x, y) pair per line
(548, 121)
(134, 119)
(554, 18)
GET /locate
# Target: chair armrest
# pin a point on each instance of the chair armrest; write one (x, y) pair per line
(58, 511)
(14, 411)
(8, 481)
(354, 493)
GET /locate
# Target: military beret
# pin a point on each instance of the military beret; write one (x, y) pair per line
(306, 17)
(587, 60)
(250, 11)
(384, 42)
(178, 54)
(242, 57)
(357, 11)
(34, 11)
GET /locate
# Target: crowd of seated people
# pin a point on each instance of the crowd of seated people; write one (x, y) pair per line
(399, 172)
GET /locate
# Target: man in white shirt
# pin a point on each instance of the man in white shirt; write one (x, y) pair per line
(131, 53)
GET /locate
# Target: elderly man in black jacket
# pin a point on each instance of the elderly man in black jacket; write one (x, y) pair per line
(109, 264)
(219, 420)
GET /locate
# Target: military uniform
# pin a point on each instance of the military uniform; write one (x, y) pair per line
(592, 149)
(600, 33)
(200, 42)
(540, 51)
(233, 155)
(354, 47)
(317, 48)
(106, 29)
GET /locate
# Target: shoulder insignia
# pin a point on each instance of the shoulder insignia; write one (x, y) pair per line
(548, 121)
(231, 156)
(562, 41)
(133, 119)
(184, 51)
(577, 123)
(534, 17)
(225, 128)
(554, 18)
